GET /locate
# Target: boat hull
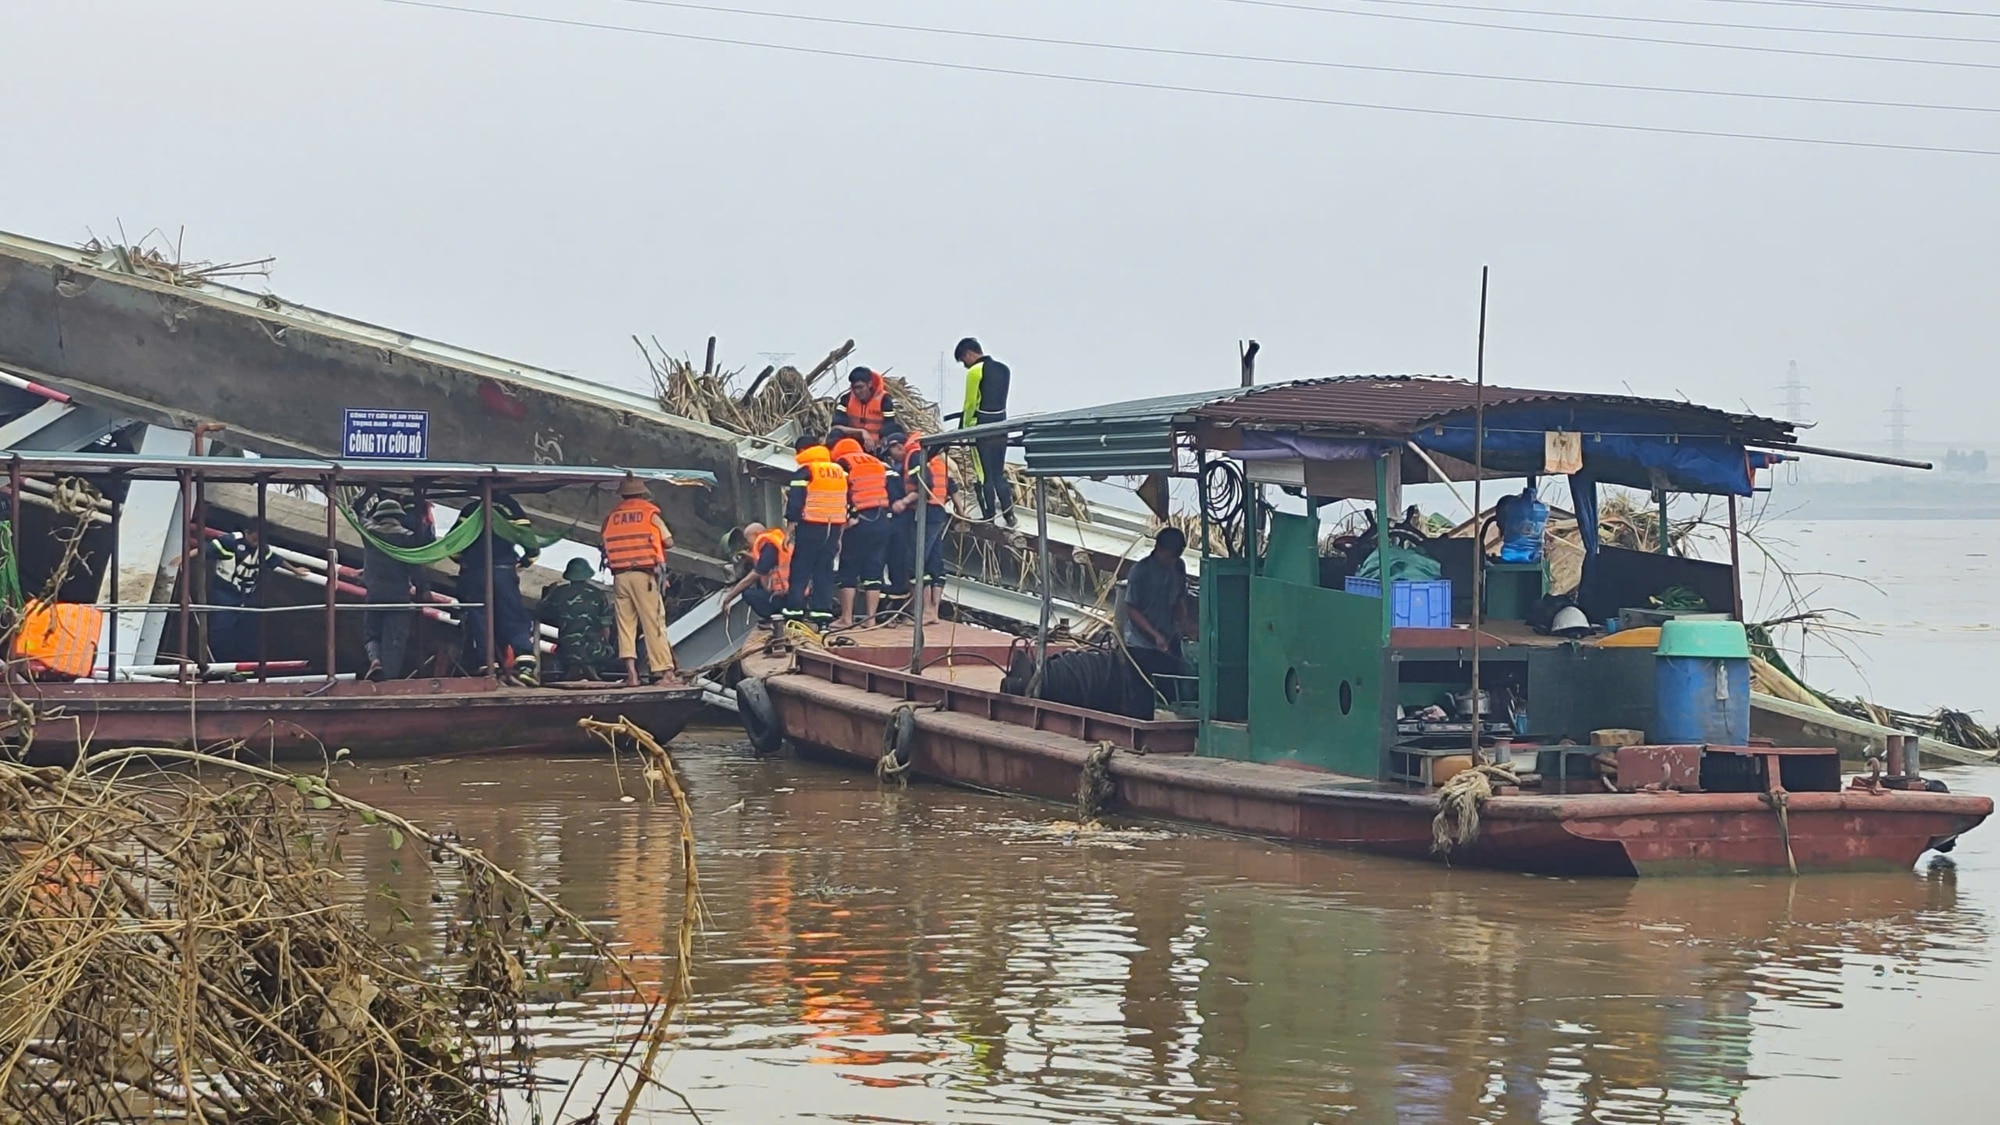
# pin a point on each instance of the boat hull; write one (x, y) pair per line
(1598, 834)
(402, 719)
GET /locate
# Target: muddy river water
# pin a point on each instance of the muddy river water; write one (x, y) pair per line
(938, 955)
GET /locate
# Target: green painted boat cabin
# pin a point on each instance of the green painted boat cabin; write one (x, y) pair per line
(1293, 668)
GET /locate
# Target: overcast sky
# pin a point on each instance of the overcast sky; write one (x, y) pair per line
(543, 192)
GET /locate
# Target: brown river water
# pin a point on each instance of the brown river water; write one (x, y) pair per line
(939, 955)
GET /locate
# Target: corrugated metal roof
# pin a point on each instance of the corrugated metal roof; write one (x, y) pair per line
(1163, 409)
(1399, 405)
(286, 470)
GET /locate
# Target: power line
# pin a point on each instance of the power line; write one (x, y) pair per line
(1835, 5)
(995, 36)
(1573, 32)
(1792, 28)
(1247, 95)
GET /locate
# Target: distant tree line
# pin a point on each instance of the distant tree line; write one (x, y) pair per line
(1971, 461)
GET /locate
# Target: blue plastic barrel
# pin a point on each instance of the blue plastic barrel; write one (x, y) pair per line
(1702, 684)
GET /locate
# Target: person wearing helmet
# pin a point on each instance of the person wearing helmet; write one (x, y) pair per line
(867, 535)
(580, 610)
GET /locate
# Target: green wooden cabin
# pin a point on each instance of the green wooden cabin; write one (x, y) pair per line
(1292, 668)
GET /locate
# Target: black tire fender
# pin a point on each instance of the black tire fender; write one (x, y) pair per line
(760, 717)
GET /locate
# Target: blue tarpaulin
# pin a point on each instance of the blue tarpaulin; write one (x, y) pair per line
(1631, 448)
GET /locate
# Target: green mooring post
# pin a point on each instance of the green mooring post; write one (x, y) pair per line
(1382, 547)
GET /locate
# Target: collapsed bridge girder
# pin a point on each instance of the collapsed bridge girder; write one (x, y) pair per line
(278, 376)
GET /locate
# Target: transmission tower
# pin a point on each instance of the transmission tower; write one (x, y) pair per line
(1795, 395)
(1899, 424)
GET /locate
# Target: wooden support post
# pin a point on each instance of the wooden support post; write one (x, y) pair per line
(1735, 562)
(332, 578)
(263, 599)
(1666, 546)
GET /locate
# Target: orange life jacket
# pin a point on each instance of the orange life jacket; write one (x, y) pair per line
(937, 481)
(866, 415)
(632, 539)
(58, 637)
(867, 482)
(826, 488)
(779, 581)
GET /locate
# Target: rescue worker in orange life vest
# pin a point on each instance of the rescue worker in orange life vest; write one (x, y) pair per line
(865, 411)
(913, 479)
(863, 545)
(767, 583)
(636, 542)
(816, 510)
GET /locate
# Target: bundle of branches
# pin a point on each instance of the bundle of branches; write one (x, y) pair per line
(171, 944)
(169, 263)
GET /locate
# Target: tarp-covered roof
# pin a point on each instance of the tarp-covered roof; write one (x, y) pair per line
(1645, 442)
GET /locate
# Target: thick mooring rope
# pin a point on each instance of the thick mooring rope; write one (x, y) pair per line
(1095, 787)
(1459, 802)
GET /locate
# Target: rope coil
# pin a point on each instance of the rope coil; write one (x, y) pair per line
(1459, 801)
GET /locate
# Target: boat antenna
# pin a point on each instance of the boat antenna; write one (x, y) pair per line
(1478, 508)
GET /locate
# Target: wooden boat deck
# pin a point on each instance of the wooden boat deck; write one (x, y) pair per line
(839, 707)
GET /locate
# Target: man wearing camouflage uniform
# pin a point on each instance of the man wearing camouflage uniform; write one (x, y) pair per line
(580, 610)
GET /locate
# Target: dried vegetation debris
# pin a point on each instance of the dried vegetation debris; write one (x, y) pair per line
(177, 943)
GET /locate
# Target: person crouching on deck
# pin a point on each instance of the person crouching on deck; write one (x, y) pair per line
(636, 541)
(865, 412)
(767, 585)
(513, 628)
(816, 509)
(581, 612)
(866, 539)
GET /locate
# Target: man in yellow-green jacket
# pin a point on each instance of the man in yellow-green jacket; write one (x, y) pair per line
(986, 384)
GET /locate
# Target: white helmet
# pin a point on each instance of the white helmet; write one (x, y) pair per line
(1570, 622)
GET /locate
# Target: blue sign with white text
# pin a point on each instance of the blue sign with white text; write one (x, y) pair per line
(386, 435)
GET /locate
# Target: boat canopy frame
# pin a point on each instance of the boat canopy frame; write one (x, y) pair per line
(426, 479)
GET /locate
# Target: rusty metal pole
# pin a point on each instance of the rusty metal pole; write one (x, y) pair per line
(263, 633)
(1478, 502)
(332, 579)
(190, 555)
(1735, 561)
(486, 536)
(921, 584)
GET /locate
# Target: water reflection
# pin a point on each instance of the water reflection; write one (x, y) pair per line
(932, 954)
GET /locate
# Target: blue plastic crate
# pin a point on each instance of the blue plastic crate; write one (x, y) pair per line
(1419, 605)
